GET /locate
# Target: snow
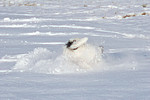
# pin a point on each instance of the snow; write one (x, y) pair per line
(33, 34)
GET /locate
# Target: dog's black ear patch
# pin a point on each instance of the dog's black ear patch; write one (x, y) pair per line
(68, 44)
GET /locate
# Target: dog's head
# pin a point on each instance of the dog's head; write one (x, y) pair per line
(71, 42)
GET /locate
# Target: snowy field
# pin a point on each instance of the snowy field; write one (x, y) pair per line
(34, 32)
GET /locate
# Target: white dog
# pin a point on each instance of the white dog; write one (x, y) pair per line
(81, 53)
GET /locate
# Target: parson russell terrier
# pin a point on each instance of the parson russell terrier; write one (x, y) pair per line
(81, 53)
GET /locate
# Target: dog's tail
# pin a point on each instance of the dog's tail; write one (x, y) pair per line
(102, 48)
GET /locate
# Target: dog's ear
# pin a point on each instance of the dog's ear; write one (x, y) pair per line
(75, 43)
(78, 43)
(69, 43)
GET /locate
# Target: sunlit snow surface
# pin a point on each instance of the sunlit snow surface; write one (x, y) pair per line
(34, 32)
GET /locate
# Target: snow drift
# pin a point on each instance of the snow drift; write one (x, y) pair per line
(42, 60)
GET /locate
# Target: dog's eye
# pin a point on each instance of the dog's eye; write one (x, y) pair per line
(75, 49)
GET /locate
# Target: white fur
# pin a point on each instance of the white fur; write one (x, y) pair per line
(86, 56)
